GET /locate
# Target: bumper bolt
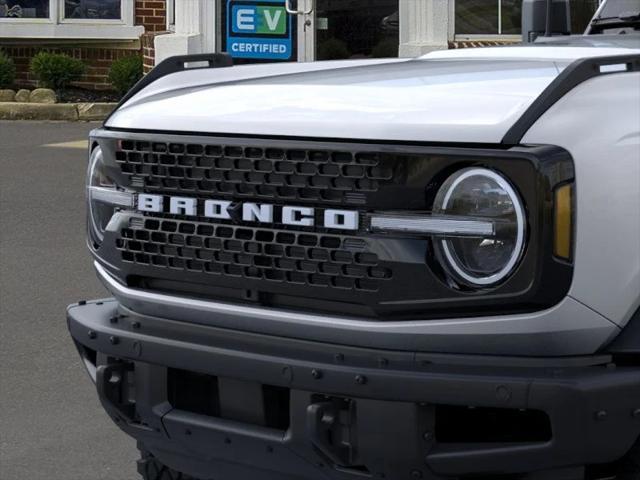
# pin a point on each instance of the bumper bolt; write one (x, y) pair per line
(361, 379)
(601, 415)
(317, 374)
(338, 357)
(287, 373)
(114, 340)
(503, 393)
(113, 320)
(227, 440)
(427, 436)
(187, 432)
(136, 325)
(416, 474)
(383, 362)
(91, 334)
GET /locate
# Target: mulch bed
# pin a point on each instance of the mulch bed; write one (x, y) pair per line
(79, 95)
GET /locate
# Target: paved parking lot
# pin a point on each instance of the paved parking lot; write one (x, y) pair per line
(51, 424)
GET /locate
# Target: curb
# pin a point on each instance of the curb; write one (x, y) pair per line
(69, 112)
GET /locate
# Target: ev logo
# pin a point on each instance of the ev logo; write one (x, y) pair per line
(259, 29)
(259, 20)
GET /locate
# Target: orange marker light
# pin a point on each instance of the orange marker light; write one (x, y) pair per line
(563, 222)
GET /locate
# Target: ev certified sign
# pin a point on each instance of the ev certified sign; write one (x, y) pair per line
(259, 29)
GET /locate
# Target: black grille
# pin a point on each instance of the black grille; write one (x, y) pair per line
(244, 171)
(357, 273)
(280, 256)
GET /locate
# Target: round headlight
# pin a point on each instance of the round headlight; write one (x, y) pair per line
(481, 261)
(100, 212)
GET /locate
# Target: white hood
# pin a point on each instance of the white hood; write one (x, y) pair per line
(470, 96)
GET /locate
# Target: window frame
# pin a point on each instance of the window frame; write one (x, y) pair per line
(123, 20)
(40, 20)
(489, 36)
(170, 7)
(57, 26)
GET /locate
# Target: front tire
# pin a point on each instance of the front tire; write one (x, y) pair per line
(150, 468)
(630, 467)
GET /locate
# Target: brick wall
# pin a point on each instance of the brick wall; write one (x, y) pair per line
(153, 15)
(149, 13)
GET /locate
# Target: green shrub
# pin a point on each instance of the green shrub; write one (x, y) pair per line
(125, 72)
(7, 71)
(386, 48)
(56, 70)
(333, 49)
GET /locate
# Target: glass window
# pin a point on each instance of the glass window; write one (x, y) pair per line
(504, 17)
(24, 8)
(477, 17)
(357, 29)
(511, 16)
(582, 11)
(92, 9)
(619, 7)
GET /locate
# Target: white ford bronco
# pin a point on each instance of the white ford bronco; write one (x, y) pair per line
(389, 269)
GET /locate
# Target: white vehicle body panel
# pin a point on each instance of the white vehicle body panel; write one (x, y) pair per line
(436, 100)
(598, 122)
(555, 53)
(442, 97)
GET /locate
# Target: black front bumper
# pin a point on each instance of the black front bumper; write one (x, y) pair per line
(223, 404)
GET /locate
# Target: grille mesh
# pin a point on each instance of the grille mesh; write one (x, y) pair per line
(276, 173)
(280, 256)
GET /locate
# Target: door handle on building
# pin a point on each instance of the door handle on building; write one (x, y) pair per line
(292, 11)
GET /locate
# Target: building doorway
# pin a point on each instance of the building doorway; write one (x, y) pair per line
(256, 31)
(351, 29)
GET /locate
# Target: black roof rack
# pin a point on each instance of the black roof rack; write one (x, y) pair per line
(576, 73)
(175, 64)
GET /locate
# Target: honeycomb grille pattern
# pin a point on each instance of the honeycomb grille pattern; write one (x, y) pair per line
(292, 257)
(242, 171)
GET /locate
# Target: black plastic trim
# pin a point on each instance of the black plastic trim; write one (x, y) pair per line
(628, 342)
(175, 64)
(576, 73)
(592, 406)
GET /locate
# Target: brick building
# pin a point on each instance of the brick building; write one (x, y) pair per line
(99, 31)
(95, 31)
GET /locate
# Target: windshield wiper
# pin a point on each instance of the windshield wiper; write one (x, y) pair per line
(621, 21)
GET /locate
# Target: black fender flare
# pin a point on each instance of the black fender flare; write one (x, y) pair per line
(628, 342)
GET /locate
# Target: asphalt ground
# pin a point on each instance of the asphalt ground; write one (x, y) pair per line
(51, 424)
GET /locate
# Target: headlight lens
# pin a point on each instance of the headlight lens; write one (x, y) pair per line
(482, 260)
(103, 195)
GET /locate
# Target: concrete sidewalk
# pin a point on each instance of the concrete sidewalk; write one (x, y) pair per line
(55, 111)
